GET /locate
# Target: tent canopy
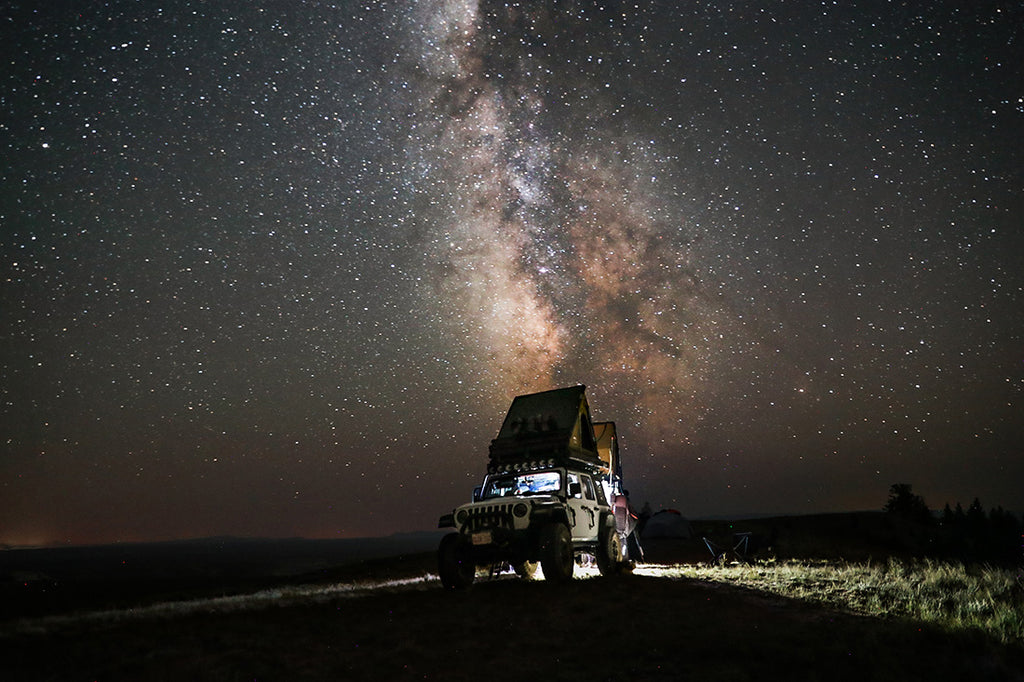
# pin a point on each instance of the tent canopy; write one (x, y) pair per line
(548, 424)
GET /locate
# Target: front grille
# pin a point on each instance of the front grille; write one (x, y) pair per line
(489, 516)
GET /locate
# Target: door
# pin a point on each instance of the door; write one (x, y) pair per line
(584, 512)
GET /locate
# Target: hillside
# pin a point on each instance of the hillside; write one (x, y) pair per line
(242, 609)
(635, 627)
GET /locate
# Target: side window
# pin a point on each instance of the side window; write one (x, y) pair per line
(573, 481)
(588, 488)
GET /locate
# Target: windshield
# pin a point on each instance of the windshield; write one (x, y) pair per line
(533, 483)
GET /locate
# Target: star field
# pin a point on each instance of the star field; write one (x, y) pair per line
(278, 269)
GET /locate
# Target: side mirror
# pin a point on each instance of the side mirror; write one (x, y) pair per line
(477, 492)
(574, 490)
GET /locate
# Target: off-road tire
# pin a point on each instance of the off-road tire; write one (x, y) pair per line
(609, 553)
(454, 565)
(556, 554)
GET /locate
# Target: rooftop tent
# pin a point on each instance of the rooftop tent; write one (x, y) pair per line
(552, 424)
(608, 447)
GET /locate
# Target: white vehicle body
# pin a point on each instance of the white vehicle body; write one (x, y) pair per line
(552, 495)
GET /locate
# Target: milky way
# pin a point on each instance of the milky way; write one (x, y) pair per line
(557, 253)
(279, 269)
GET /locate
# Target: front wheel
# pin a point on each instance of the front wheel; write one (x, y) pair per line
(556, 555)
(454, 563)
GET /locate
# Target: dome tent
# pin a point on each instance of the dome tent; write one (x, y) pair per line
(667, 523)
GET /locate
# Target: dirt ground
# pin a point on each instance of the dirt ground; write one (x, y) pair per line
(632, 627)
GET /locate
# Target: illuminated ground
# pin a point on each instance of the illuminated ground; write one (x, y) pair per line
(645, 626)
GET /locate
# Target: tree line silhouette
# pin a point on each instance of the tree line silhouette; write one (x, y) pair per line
(973, 535)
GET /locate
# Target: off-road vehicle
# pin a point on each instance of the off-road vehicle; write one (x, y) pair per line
(552, 495)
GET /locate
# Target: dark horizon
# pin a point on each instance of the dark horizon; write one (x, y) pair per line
(424, 532)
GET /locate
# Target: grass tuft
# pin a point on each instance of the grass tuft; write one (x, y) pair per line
(951, 595)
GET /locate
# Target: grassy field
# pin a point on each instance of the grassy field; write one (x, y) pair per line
(680, 616)
(793, 621)
(950, 595)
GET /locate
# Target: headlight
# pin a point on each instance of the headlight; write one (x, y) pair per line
(520, 509)
(462, 516)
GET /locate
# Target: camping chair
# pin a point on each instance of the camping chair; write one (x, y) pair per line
(740, 548)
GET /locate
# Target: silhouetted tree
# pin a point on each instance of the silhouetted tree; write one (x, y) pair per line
(903, 502)
(975, 536)
(976, 514)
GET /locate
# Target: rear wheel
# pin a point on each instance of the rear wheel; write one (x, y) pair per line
(454, 564)
(609, 553)
(556, 555)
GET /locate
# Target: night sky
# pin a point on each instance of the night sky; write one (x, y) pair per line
(279, 268)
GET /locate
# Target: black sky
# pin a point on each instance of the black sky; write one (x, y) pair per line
(279, 268)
